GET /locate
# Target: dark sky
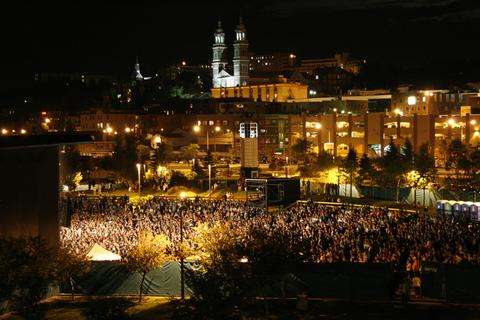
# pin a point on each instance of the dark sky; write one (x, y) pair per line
(104, 37)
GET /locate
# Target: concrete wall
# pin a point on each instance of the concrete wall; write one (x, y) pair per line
(29, 193)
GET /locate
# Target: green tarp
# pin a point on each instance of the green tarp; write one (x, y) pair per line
(349, 281)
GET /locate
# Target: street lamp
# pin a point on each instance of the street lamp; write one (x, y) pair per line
(197, 129)
(318, 126)
(138, 170)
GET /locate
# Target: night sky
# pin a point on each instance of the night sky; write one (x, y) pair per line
(104, 38)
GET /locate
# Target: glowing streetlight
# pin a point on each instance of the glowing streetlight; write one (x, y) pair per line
(128, 130)
(451, 122)
(473, 122)
(47, 120)
(139, 166)
(23, 131)
(318, 126)
(109, 130)
(197, 129)
(4, 131)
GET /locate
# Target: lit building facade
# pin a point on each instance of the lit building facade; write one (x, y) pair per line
(108, 121)
(275, 62)
(422, 102)
(335, 133)
(276, 92)
(340, 60)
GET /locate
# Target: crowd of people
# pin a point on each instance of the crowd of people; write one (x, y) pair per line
(327, 233)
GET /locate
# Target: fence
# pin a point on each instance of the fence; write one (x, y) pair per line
(354, 281)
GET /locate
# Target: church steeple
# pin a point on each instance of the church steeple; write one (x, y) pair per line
(240, 58)
(138, 75)
(219, 61)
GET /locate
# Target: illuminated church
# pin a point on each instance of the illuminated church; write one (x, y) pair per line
(240, 85)
(221, 78)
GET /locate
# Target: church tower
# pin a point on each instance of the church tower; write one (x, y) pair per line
(138, 75)
(219, 61)
(240, 57)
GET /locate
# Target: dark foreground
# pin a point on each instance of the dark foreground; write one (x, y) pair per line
(164, 308)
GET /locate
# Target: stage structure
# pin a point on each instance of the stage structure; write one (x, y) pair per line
(249, 149)
(29, 192)
(263, 193)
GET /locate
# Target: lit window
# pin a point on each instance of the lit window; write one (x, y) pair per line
(412, 100)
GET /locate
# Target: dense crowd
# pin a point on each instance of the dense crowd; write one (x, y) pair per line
(327, 234)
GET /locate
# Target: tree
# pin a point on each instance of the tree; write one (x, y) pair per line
(366, 170)
(324, 161)
(270, 257)
(302, 149)
(26, 271)
(149, 253)
(349, 166)
(456, 153)
(125, 157)
(408, 153)
(73, 180)
(143, 153)
(163, 153)
(215, 244)
(71, 160)
(393, 167)
(221, 282)
(191, 151)
(69, 265)
(424, 164)
(474, 170)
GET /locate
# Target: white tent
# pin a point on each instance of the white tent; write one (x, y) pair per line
(99, 253)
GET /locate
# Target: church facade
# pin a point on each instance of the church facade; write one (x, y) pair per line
(221, 78)
(239, 85)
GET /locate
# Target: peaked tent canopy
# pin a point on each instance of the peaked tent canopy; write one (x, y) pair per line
(99, 253)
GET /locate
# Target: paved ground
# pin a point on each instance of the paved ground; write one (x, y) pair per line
(61, 308)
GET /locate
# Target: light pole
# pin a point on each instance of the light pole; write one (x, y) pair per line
(318, 126)
(286, 167)
(197, 129)
(209, 178)
(182, 258)
(208, 142)
(138, 170)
